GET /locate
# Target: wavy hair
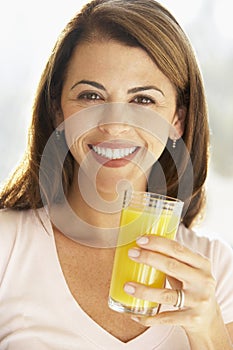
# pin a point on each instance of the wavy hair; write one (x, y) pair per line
(136, 23)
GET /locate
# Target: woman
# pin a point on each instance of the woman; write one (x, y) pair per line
(54, 288)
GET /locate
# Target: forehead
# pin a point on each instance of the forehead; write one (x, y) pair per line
(109, 52)
(109, 57)
(113, 62)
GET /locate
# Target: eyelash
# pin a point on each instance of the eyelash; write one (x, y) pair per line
(143, 100)
(89, 96)
(93, 96)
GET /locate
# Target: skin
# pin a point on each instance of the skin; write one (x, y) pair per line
(102, 64)
(201, 317)
(109, 66)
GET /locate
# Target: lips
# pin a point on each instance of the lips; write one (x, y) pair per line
(114, 154)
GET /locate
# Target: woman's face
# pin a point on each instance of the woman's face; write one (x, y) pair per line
(102, 73)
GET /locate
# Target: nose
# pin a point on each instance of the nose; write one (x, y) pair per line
(114, 119)
(114, 129)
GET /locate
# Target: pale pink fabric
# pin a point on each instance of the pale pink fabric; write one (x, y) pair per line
(38, 312)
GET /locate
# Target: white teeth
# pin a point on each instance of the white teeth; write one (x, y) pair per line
(108, 153)
(115, 153)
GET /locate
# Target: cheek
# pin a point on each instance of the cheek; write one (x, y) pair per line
(76, 152)
(69, 107)
(154, 144)
(75, 142)
(76, 132)
(72, 109)
(157, 147)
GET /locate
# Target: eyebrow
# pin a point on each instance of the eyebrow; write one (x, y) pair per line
(143, 88)
(130, 91)
(89, 82)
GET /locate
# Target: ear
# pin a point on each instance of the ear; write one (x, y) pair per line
(178, 123)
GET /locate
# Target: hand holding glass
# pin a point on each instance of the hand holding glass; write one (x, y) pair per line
(143, 213)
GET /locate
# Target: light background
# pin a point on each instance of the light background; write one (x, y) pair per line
(28, 31)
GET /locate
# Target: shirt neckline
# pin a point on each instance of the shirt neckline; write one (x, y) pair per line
(152, 337)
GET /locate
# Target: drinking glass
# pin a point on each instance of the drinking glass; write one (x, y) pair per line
(143, 213)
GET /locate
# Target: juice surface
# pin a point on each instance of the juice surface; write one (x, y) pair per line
(135, 223)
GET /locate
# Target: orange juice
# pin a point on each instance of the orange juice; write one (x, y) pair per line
(135, 223)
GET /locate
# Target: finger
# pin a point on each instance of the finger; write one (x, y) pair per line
(170, 266)
(174, 283)
(174, 249)
(177, 317)
(160, 296)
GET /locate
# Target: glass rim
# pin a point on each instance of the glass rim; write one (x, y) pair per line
(154, 196)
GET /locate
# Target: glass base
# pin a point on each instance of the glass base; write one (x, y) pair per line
(116, 306)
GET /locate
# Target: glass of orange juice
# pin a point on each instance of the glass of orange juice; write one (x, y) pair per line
(142, 213)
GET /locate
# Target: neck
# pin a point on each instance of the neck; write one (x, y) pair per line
(97, 206)
(91, 216)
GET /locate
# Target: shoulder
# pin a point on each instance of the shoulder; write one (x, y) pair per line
(220, 255)
(216, 250)
(17, 228)
(204, 245)
(12, 225)
(10, 221)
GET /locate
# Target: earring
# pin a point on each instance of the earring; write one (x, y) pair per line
(174, 143)
(58, 135)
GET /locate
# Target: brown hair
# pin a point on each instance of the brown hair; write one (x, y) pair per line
(143, 23)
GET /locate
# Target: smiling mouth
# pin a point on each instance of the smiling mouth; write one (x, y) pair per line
(114, 153)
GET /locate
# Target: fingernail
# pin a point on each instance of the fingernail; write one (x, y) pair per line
(129, 289)
(143, 240)
(133, 253)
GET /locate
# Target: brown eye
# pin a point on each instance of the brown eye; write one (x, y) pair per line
(92, 96)
(144, 100)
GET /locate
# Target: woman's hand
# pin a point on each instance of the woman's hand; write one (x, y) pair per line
(188, 271)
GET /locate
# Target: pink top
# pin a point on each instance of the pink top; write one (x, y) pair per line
(38, 311)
